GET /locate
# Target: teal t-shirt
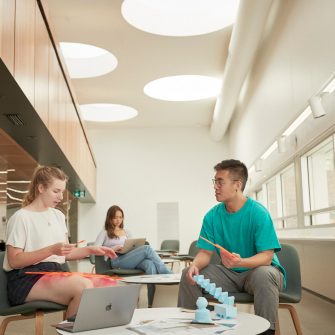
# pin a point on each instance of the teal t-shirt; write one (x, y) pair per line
(246, 232)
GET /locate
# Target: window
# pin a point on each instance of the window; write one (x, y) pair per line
(273, 201)
(289, 198)
(318, 173)
(281, 198)
(260, 197)
(314, 204)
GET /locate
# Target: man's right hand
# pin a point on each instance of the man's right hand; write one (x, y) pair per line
(201, 260)
(192, 271)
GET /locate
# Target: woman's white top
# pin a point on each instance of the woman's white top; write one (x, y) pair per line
(31, 231)
(104, 240)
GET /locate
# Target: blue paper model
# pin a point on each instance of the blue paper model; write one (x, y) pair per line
(202, 314)
(224, 310)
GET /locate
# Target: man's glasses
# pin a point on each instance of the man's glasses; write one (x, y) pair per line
(221, 182)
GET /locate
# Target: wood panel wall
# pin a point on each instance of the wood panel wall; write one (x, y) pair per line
(7, 23)
(28, 52)
(42, 50)
(24, 42)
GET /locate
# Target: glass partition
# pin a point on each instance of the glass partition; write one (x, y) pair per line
(318, 174)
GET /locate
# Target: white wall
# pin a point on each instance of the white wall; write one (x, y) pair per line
(137, 168)
(294, 62)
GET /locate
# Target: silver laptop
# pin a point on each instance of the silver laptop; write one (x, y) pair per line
(131, 244)
(104, 307)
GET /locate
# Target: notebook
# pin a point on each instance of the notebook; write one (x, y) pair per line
(104, 307)
(131, 244)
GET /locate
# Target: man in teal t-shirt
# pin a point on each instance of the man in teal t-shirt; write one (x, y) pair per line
(244, 228)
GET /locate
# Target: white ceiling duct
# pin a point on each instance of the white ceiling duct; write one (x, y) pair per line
(246, 37)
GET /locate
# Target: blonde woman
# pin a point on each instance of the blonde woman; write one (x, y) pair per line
(37, 240)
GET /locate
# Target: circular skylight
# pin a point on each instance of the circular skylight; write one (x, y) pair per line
(107, 112)
(85, 61)
(180, 17)
(183, 88)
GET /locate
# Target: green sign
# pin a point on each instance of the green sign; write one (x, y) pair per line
(79, 194)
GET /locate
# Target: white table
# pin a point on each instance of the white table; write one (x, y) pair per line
(160, 279)
(166, 284)
(166, 287)
(247, 324)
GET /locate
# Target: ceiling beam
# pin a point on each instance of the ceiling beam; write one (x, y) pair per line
(245, 40)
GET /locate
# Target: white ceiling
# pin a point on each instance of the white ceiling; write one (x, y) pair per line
(142, 57)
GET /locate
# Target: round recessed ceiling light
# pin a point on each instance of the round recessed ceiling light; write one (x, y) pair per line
(180, 17)
(183, 88)
(86, 61)
(107, 112)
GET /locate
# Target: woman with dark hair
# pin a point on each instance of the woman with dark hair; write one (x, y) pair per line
(37, 241)
(114, 234)
(144, 258)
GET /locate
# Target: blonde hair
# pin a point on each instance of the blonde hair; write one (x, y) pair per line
(43, 175)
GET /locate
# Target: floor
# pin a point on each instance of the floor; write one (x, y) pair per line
(317, 315)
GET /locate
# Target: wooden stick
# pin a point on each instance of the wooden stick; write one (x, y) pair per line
(215, 245)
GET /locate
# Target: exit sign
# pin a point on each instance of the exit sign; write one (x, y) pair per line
(79, 194)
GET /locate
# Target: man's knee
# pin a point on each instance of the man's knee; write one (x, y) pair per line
(266, 275)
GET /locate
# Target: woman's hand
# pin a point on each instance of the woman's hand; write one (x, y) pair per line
(62, 248)
(102, 251)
